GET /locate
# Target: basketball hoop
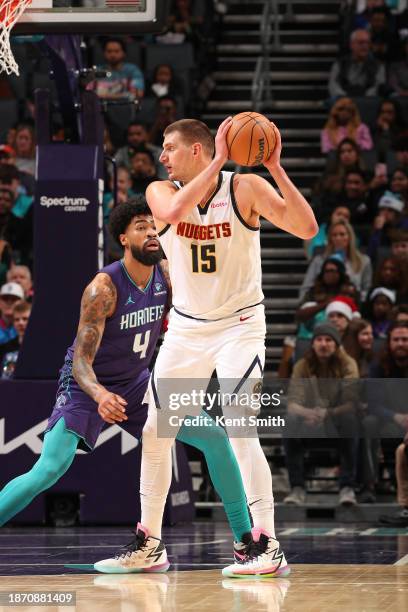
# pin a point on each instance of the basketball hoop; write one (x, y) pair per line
(10, 12)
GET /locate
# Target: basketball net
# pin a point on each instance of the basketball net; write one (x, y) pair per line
(10, 12)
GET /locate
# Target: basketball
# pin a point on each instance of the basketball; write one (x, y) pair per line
(250, 139)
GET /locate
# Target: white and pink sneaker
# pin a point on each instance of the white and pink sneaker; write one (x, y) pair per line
(143, 554)
(261, 557)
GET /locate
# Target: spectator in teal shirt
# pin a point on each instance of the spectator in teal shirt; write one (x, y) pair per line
(10, 179)
(125, 79)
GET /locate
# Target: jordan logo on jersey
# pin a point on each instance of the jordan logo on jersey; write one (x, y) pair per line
(204, 232)
(129, 301)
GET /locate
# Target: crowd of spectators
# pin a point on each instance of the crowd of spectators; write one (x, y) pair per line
(140, 97)
(352, 330)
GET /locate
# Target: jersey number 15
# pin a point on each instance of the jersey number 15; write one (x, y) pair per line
(203, 258)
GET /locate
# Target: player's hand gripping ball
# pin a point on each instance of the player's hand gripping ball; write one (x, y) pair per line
(250, 139)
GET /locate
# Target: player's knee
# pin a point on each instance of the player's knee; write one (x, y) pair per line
(52, 469)
(216, 443)
(149, 434)
(245, 448)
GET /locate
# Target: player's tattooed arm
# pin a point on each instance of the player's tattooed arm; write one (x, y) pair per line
(98, 302)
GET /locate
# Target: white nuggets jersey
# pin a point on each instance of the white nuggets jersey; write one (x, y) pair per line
(214, 258)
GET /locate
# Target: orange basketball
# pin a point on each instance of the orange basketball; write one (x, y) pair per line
(250, 139)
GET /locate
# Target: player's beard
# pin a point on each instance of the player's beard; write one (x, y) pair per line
(147, 258)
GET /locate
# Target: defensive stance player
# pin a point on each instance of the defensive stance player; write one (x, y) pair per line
(105, 377)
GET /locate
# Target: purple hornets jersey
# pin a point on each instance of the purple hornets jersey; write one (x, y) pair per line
(131, 333)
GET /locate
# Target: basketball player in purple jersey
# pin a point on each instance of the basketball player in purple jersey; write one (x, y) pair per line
(105, 376)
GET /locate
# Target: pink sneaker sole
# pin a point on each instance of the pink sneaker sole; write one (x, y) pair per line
(158, 569)
(279, 573)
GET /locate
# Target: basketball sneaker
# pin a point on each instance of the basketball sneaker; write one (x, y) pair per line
(143, 554)
(242, 549)
(263, 558)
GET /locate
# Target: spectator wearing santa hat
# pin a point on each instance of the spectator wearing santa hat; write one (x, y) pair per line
(378, 310)
(340, 311)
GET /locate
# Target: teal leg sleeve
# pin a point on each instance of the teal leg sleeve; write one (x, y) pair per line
(57, 454)
(212, 440)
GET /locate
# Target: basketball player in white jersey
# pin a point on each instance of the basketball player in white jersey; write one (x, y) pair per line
(208, 222)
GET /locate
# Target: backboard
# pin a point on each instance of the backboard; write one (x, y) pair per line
(93, 17)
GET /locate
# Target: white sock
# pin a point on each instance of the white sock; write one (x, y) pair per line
(257, 480)
(155, 477)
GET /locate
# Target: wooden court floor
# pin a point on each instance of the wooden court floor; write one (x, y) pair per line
(310, 588)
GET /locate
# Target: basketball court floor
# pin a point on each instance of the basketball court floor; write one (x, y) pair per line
(335, 569)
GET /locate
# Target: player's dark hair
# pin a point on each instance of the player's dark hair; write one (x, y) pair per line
(191, 131)
(122, 215)
(119, 41)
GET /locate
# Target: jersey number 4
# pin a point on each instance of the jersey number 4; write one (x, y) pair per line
(203, 258)
(139, 346)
